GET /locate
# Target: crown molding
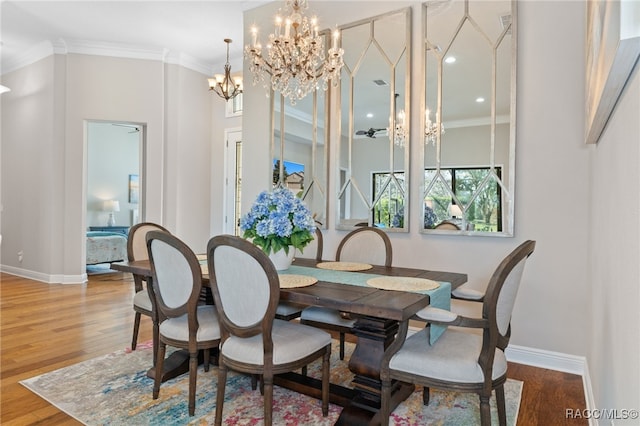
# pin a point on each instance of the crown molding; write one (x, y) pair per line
(85, 47)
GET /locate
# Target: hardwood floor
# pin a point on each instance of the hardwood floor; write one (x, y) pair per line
(45, 327)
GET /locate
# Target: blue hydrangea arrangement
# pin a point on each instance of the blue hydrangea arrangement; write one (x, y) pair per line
(278, 220)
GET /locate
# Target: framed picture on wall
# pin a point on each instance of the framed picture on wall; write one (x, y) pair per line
(134, 189)
(613, 49)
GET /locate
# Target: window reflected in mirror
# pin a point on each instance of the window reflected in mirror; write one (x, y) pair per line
(469, 116)
(373, 155)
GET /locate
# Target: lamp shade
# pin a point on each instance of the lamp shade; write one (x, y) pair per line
(455, 211)
(111, 206)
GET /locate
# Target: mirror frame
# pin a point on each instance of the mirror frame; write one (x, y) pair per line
(507, 185)
(280, 153)
(340, 224)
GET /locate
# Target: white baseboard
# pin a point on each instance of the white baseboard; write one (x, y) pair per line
(556, 361)
(547, 359)
(588, 394)
(45, 278)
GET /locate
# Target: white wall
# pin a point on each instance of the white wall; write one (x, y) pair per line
(32, 169)
(614, 230)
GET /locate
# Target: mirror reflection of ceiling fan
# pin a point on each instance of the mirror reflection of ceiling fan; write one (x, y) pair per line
(371, 133)
(134, 128)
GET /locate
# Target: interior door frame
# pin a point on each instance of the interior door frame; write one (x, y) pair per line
(142, 141)
(232, 136)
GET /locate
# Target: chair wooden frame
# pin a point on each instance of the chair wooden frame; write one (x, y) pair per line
(383, 235)
(492, 339)
(190, 308)
(264, 328)
(342, 330)
(137, 279)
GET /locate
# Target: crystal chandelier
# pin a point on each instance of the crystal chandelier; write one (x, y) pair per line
(294, 62)
(431, 128)
(400, 133)
(224, 85)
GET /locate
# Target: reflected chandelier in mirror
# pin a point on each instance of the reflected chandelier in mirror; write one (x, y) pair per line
(373, 152)
(470, 78)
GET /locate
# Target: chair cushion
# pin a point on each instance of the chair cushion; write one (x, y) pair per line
(436, 314)
(208, 326)
(142, 300)
(467, 293)
(327, 316)
(291, 342)
(453, 357)
(285, 308)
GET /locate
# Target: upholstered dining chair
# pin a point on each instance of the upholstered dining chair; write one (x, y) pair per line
(446, 225)
(364, 245)
(137, 250)
(246, 290)
(289, 310)
(459, 360)
(184, 323)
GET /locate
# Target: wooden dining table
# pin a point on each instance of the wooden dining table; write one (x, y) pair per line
(377, 315)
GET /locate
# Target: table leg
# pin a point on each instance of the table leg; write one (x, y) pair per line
(374, 335)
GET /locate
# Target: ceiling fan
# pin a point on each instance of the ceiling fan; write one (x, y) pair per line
(134, 128)
(371, 133)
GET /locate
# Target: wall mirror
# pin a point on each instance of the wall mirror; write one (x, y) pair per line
(469, 117)
(372, 181)
(299, 149)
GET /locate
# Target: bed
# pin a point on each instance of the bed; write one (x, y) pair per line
(106, 247)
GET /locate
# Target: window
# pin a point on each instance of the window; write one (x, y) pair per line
(388, 200)
(468, 196)
(234, 106)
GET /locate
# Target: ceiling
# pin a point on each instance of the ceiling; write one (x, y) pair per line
(193, 28)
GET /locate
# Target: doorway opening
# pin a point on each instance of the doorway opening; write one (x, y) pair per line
(114, 184)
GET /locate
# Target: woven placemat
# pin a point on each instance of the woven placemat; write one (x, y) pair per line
(403, 283)
(294, 281)
(344, 266)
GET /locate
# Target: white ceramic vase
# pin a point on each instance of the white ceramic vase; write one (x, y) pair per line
(282, 260)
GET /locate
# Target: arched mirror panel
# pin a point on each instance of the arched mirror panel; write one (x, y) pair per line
(469, 117)
(300, 149)
(373, 154)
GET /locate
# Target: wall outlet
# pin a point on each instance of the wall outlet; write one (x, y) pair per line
(20, 254)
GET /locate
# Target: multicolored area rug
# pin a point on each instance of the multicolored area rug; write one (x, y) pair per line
(114, 390)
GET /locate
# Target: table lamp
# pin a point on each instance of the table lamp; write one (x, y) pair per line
(111, 206)
(455, 210)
